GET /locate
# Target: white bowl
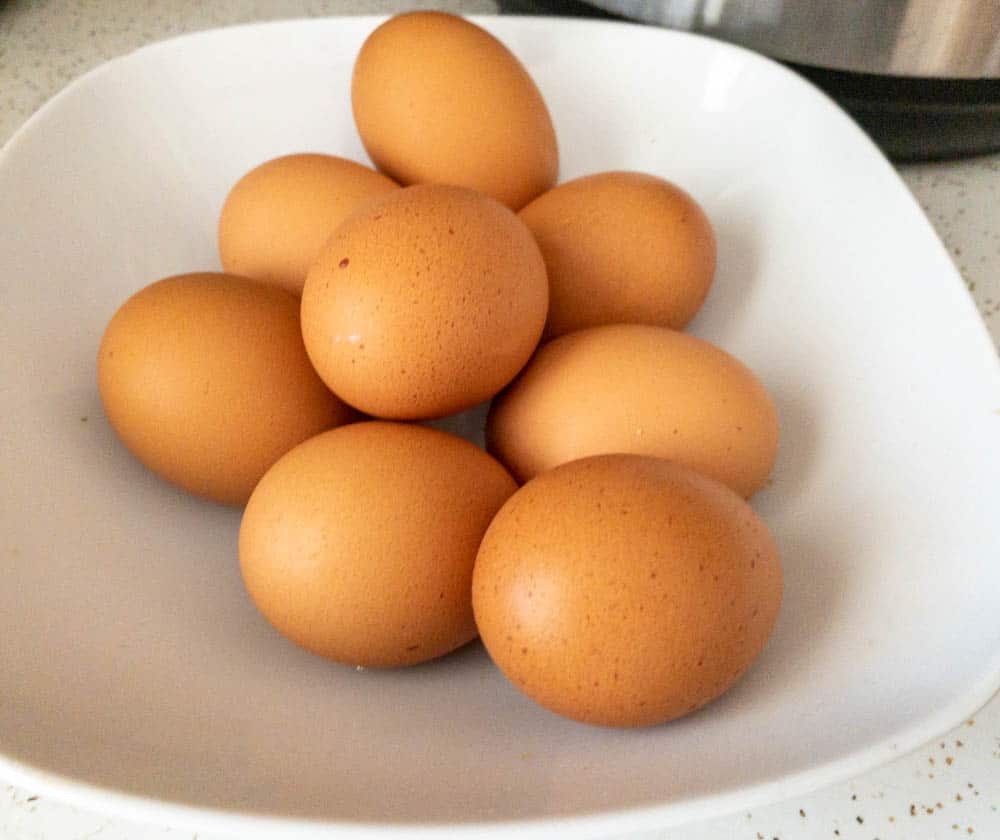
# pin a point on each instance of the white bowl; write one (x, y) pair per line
(138, 678)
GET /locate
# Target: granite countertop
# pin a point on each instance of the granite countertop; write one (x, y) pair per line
(948, 788)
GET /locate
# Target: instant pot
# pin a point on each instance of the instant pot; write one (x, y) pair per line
(921, 76)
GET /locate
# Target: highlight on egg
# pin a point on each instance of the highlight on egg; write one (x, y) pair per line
(625, 590)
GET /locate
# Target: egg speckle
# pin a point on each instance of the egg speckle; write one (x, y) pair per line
(425, 302)
(625, 590)
(278, 215)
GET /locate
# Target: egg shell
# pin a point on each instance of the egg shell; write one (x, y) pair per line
(438, 99)
(639, 389)
(622, 247)
(359, 544)
(277, 216)
(625, 590)
(425, 302)
(205, 379)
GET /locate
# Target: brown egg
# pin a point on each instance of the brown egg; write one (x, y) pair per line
(622, 247)
(425, 302)
(640, 389)
(359, 544)
(277, 216)
(438, 99)
(205, 379)
(625, 590)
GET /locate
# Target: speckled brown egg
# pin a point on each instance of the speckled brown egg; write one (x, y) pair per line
(438, 99)
(425, 302)
(622, 247)
(359, 544)
(624, 590)
(639, 389)
(205, 379)
(278, 215)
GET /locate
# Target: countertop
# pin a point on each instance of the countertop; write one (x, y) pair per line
(947, 788)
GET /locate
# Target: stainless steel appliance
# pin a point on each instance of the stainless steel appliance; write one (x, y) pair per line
(942, 39)
(921, 76)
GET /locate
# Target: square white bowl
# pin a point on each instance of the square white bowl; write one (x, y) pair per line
(136, 675)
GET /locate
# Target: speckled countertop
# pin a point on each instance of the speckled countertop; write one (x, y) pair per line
(948, 788)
